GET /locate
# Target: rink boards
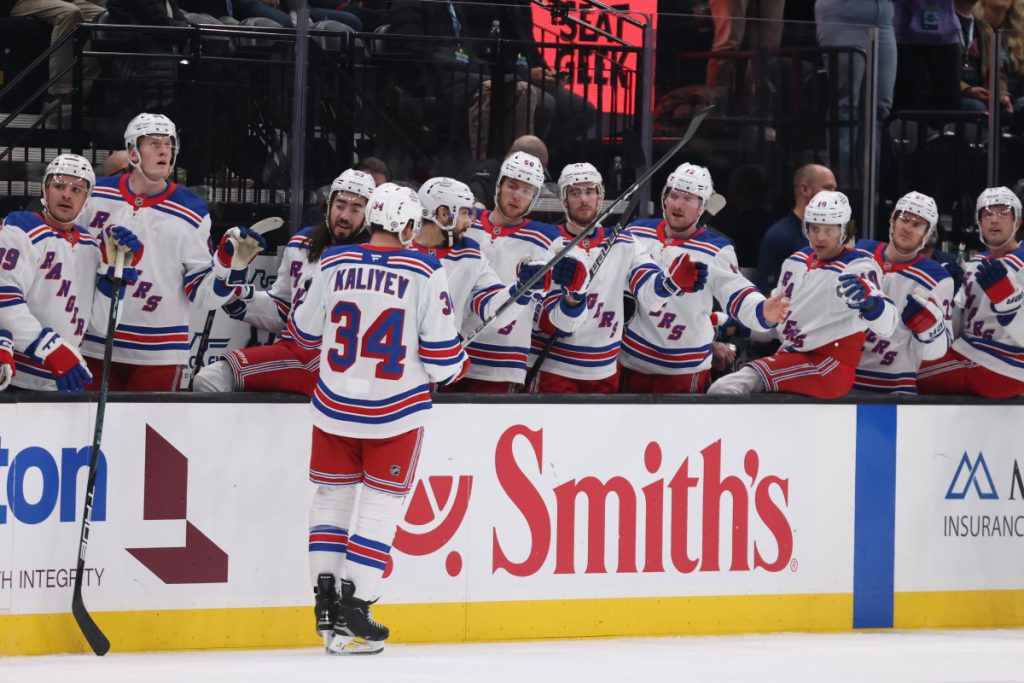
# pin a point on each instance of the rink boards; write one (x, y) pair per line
(527, 521)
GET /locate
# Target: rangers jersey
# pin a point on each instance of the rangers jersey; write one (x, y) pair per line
(991, 340)
(590, 351)
(269, 310)
(175, 271)
(889, 365)
(817, 314)
(388, 331)
(499, 353)
(676, 339)
(472, 283)
(47, 279)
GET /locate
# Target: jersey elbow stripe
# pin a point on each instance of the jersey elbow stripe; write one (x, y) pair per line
(639, 276)
(737, 299)
(306, 341)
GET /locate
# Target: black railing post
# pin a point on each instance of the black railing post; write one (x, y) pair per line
(77, 78)
(298, 155)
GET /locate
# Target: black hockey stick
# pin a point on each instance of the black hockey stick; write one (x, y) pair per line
(97, 641)
(262, 227)
(627, 195)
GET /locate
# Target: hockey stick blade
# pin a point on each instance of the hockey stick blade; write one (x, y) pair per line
(627, 195)
(93, 635)
(267, 225)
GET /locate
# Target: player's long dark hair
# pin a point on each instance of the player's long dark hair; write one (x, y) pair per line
(322, 237)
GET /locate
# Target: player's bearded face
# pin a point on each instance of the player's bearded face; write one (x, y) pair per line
(462, 223)
(65, 197)
(998, 223)
(582, 203)
(156, 153)
(514, 197)
(907, 232)
(346, 215)
(682, 209)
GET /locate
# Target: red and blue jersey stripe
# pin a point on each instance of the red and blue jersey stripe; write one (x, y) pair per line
(371, 412)
(675, 358)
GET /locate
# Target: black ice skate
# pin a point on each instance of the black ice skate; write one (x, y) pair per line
(355, 631)
(327, 607)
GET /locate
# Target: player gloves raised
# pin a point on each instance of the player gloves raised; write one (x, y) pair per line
(859, 294)
(684, 276)
(113, 240)
(526, 270)
(922, 317)
(999, 288)
(238, 248)
(237, 306)
(6, 359)
(572, 275)
(62, 360)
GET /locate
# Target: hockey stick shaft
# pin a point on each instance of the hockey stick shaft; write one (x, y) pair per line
(691, 130)
(93, 635)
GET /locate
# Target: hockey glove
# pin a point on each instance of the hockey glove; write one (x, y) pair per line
(62, 360)
(526, 270)
(6, 359)
(922, 317)
(572, 275)
(857, 293)
(458, 375)
(684, 276)
(238, 248)
(999, 288)
(236, 307)
(119, 239)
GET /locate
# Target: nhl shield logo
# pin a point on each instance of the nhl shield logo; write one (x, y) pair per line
(138, 201)
(395, 470)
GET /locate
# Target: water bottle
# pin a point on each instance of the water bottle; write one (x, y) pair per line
(616, 176)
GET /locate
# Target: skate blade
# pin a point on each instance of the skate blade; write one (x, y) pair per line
(347, 645)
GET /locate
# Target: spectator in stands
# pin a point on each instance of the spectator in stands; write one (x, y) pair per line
(786, 235)
(1007, 17)
(282, 11)
(842, 23)
(928, 55)
(378, 168)
(731, 27)
(152, 78)
(975, 47)
(482, 177)
(64, 16)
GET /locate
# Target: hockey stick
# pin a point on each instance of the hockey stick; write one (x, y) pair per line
(601, 255)
(97, 641)
(261, 227)
(691, 130)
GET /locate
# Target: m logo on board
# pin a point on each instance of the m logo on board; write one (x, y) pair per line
(972, 474)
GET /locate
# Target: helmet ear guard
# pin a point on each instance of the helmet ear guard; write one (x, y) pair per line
(392, 207)
(150, 124)
(449, 193)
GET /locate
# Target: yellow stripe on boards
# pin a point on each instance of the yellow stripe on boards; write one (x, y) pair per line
(956, 609)
(278, 627)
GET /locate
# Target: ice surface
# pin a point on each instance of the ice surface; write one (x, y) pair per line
(872, 657)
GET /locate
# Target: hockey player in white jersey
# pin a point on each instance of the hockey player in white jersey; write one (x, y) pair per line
(669, 349)
(473, 285)
(7, 369)
(515, 247)
(380, 315)
(584, 359)
(986, 358)
(56, 279)
(151, 346)
(835, 300)
(923, 291)
(284, 365)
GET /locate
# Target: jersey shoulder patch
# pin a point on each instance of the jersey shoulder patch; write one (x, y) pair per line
(26, 221)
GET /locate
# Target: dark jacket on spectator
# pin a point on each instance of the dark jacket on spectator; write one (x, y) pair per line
(145, 12)
(783, 238)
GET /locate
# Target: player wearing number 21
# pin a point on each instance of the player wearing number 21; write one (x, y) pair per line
(384, 320)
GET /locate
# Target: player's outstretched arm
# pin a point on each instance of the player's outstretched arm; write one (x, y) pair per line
(440, 349)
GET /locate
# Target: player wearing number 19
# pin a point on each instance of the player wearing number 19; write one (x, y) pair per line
(380, 314)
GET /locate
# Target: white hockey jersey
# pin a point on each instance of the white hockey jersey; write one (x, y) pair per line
(590, 352)
(475, 289)
(817, 314)
(175, 270)
(387, 333)
(47, 279)
(992, 341)
(500, 352)
(889, 365)
(676, 339)
(269, 310)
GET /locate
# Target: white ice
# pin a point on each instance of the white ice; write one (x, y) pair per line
(903, 656)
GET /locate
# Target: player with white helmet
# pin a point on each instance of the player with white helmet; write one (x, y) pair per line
(284, 365)
(670, 349)
(923, 291)
(835, 301)
(151, 347)
(49, 289)
(381, 316)
(985, 357)
(516, 247)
